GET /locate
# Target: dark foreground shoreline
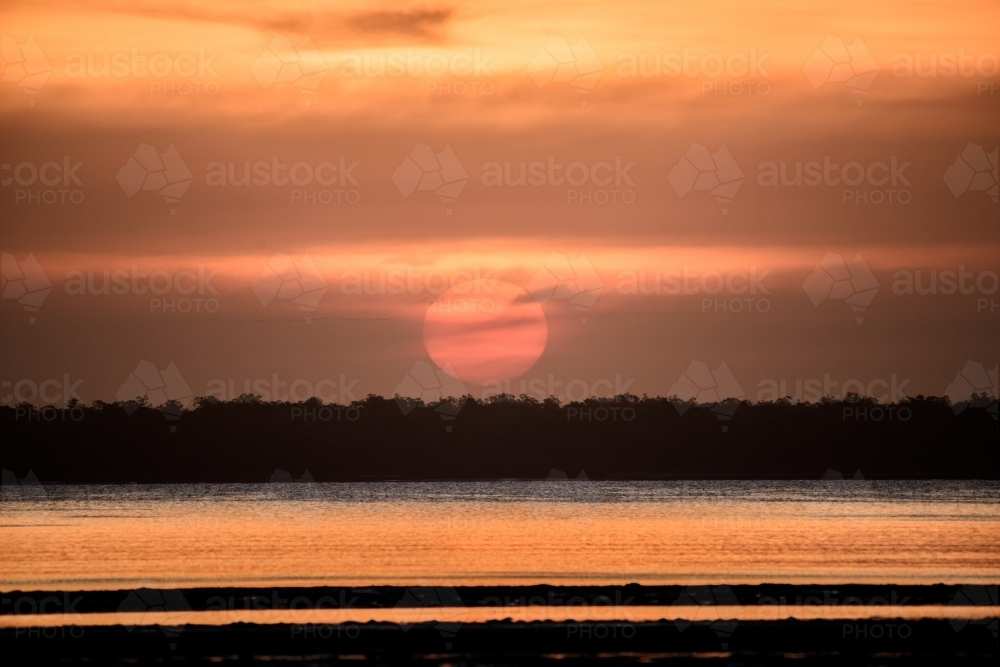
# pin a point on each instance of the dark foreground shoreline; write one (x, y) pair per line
(380, 597)
(881, 642)
(249, 440)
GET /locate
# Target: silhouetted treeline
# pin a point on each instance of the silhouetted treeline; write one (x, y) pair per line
(627, 437)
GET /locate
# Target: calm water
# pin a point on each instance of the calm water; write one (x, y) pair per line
(121, 537)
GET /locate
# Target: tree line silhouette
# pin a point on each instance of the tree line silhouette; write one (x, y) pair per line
(626, 437)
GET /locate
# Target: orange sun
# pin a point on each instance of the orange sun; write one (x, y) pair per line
(487, 330)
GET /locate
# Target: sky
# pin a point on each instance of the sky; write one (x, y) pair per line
(552, 198)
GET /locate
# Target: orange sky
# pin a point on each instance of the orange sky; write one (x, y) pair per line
(287, 87)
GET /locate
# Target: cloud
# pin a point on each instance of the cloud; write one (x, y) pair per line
(278, 17)
(415, 23)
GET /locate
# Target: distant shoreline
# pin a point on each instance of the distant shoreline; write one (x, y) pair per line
(627, 438)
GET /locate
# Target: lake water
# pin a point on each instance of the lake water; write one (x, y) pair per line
(499, 533)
